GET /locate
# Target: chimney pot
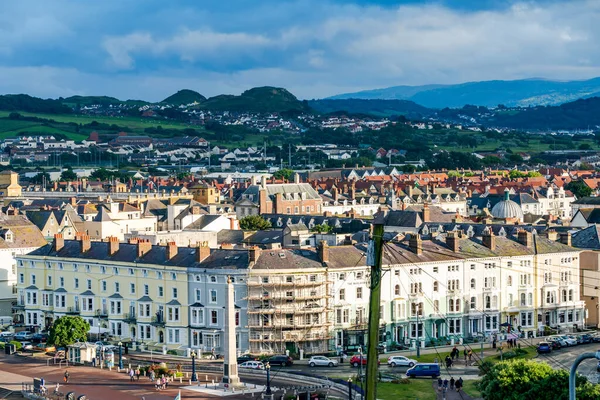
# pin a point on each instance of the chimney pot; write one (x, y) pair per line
(59, 242)
(113, 245)
(171, 250)
(203, 252)
(416, 244)
(324, 251)
(453, 241)
(86, 243)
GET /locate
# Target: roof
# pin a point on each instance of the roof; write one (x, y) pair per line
(145, 299)
(203, 221)
(115, 296)
(173, 303)
(288, 259)
(588, 238)
(87, 293)
(284, 188)
(591, 215)
(588, 200)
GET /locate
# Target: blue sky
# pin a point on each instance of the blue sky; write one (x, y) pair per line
(148, 49)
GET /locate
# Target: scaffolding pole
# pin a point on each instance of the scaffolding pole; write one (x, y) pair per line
(374, 303)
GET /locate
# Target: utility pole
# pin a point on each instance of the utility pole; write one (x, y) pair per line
(374, 303)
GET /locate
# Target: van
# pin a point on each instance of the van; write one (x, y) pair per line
(431, 370)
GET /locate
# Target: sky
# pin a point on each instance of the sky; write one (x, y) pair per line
(149, 49)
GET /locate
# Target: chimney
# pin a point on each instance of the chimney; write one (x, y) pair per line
(489, 240)
(86, 243)
(203, 252)
(524, 238)
(415, 244)
(426, 217)
(352, 193)
(143, 247)
(133, 240)
(296, 178)
(171, 250)
(565, 238)
(552, 235)
(334, 193)
(59, 242)
(113, 245)
(324, 251)
(254, 254)
(453, 241)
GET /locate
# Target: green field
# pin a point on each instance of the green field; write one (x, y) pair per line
(421, 389)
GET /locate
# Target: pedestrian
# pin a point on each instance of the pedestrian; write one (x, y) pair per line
(459, 384)
(470, 355)
(440, 383)
(131, 375)
(454, 353)
(465, 353)
(66, 377)
(448, 361)
(445, 384)
(56, 392)
(137, 373)
(452, 383)
(152, 376)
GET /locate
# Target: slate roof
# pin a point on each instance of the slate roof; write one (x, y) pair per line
(145, 299)
(25, 233)
(591, 215)
(173, 303)
(288, 259)
(127, 253)
(265, 237)
(588, 238)
(60, 290)
(203, 222)
(284, 188)
(115, 296)
(88, 293)
(588, 200)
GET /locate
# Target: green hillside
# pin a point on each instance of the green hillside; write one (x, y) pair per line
(380, 108)
(184, 96)
(82, 101)
(24, 102)
(260, 99)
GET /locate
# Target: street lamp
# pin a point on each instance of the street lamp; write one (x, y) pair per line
(120, 355)
(194, 376)
(268, 368)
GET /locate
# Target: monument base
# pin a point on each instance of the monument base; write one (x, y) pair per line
(223, 389)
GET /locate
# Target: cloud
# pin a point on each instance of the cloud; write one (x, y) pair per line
(314, 48)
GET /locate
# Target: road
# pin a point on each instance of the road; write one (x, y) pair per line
(565, 357)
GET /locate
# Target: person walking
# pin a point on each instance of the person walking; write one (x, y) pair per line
(459, 384)
(152, 376)
(440, 383)
(137, 373)
(452, 383)
(131, 375)
(66, 377)
(470, 355)
(465, 354)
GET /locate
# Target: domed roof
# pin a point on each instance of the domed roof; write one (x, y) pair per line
(507, 208)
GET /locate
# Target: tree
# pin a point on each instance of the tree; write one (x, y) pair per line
(254, 223)
(284, 173)
(322, 228)
(585, 146)
(68, 330)
(68, 175)
(579, 189)
(41, 177)
(531, 380)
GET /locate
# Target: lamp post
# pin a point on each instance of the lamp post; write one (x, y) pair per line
(268, 368)
(194, 376)
(120, 355)
(349, 388)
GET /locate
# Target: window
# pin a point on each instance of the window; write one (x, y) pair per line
(570, 294)
(132, 288)
(159, 275)
(76, 283)
(397, 290)
(102, 269)
(214, 317)
(173, 314)
(117, 287)
(473, 283)
(359, 275)
(198, 295)
(174, 293)
(289, 279)
(213, 279)
(342, 294)
(145, 273)
(22, 278)
(213, 296)
(131, 271)
(359, 293)
(342, 276)
(88, 268)
(436, 286)
(146, 290)
(435, 270)
(160, 291)
(509, 281)
(33, 279)
(265, 279)
(174, 277)
(473, 303)
(60, 266)
(115, 307)
(116, 270)
(312, 278)
(173, 335)
(104, 286)
(472, 266)
(62, 281)
(49, 280)
(454, 326)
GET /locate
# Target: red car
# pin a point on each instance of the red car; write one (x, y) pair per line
(355, 360)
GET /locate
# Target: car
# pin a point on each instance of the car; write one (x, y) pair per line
(284, 361)
(586, 338)
(555, 344)
(431, 370)
(252, 365)
(322, 361)
(544, 347)
(559, 339)
(246, 357)
(45, 347)
(39, 338)
(570, 340)
(26, 345)
(356, 359)
(6, 334)
(401, 361)
(23, 335)
(596, 338)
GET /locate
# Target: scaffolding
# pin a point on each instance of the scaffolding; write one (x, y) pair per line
(289, 311)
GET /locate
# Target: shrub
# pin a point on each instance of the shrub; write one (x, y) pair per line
(172, 352)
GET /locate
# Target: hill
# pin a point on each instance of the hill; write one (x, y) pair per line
(380, 108)
(579, 114)
(525, 92)
(184, 96)
(24, 102)
(83, 101)
(259, 99)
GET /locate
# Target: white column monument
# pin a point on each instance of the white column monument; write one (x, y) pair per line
(230, 367)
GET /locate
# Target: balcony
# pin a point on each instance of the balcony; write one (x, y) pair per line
(18, 306)
(102, 313)
(73, 310)
(158, 320)
(130, 318)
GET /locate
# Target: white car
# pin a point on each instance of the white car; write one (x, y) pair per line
(401, 361)
(571, 341)
(252, 365)
(27, 345)
(322, 361)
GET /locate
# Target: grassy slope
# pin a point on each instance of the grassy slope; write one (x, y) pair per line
(421, 389)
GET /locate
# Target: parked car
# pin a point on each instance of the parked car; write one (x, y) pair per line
(23, 335)
(355, 361)
(45, 347)
(555, 344)
(6, 334)
(570, 340)
(284, 361)
(559, 339)
(544, 347)
(252, 365)
(39, 338)
(26, 345)
(431, 370)
(401, 361)
(242, 359)
(322, 361)
(596, 338)
(586, 338)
